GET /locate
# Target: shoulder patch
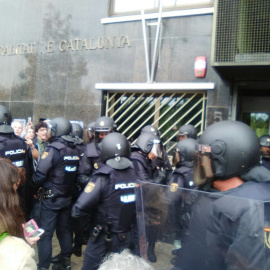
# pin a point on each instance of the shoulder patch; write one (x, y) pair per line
(89, 187)
(173, 187)
(44, 155)
(96, 166)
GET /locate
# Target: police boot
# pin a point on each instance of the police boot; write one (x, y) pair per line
(77, 250)
(151, 253)
(64, 265)
(56, 259)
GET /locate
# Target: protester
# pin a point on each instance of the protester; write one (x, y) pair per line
(15, 252)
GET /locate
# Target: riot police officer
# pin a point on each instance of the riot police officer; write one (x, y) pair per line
(265, 151)
(187, 131)
(110, 197)
(226, 232)
(56, 174)
(147, 148)
(182, 177)
(90, 161)
(162, 168)
(14, 148)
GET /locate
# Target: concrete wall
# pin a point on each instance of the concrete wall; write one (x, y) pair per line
(50, 76)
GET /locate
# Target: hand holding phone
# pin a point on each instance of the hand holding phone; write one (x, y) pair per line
(31, 229)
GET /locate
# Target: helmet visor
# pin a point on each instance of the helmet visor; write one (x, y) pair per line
(202, 165)
(157, 150)
(176, 157)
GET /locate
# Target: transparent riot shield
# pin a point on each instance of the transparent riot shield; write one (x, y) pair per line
(195, 230)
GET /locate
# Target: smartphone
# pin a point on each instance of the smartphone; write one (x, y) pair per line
(29, 119)
(31, 229)
(37, 233)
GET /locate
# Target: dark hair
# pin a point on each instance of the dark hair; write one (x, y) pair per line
(40, 125)
(11, 214)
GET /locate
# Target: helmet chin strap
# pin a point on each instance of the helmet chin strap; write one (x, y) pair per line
(224, 185)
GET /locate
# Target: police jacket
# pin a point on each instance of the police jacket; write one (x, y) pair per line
(266, 163)
(226, 232)
(183, 175)
(57, 168)
(110, 197)
(142, 166)
(89, 163)
(15, 149)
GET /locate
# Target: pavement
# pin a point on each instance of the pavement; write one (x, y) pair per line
(163, 252)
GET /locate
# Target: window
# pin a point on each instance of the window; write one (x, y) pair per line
(132, 6)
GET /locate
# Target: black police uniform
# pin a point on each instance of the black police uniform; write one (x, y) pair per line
(110, 198)
(15, 149)
(225, 233)
(80, 227)
(56, 172)
(266, 163)
(89, 163)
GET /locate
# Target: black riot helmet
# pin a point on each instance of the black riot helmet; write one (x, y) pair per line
(151, 129)
(115, 151)
(187, 131)
(59, 127)
(184, 151)
(5, 120)
(265, 146)
(104, 124)
(91, 127)
(225, 149)
(150, 143)
(77, 130)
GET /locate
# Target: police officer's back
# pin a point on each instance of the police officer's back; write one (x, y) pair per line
(110, 197)
(15, 149)
(56, 173)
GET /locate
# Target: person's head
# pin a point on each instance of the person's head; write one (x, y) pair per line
(187, 131)
(59, 127)
(115, 151)
(124, 260)
(30, 133)
(103, 126)
(41, 130)
(11, 215)
(184, 151)
(225, 150)
(5, 120)
(77, 130)
(150, 129)
(150, 145)
(18, 127)
(265, 146)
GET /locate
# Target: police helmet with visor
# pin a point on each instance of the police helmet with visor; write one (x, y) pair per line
(151, 129)
(265, 146)
(103, 125)
(150, 143)
(77, 130)
(115, 151)
(59, 127)
(187, 131)
(224, 150)
(184, 151)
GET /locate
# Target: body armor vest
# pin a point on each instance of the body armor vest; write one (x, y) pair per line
(118, 206)
(187, 174)
(15, 149)
(137, 157)
(63, 175)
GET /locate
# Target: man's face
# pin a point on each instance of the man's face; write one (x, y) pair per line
(42, 134)
(18, 128)
(101, 135)
(265, 150)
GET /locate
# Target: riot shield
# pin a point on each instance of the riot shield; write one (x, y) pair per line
(195, 230)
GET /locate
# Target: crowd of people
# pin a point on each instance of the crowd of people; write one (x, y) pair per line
(84, 190)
